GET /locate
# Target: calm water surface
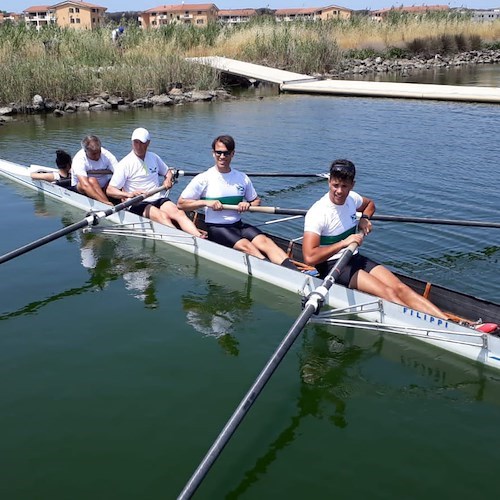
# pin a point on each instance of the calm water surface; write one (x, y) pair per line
(122, 359)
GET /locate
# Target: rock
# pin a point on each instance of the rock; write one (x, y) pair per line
(37, 100)
(200, 95)
(161, 100)
(7, 111)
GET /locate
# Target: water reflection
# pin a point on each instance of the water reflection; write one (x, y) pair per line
(217, 311)
(336, 365)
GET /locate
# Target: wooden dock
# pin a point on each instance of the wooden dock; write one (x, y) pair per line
(295, 82)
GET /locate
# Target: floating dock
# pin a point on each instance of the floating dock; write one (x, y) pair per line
(295, 82)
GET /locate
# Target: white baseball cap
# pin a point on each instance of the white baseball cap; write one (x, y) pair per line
(140, 134)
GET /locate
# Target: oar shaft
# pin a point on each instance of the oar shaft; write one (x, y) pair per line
(46, 239)
(313, 304)
(92, 219)
(386, 218)
(429, 220)
(182, 173)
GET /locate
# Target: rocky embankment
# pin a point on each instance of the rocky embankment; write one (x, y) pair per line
(371, 65)
(349, 68)
(104, 102)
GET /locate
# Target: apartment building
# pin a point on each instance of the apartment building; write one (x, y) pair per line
(485, 15)
(9, 16)
(380, 15)
(313, 14)
(66, 14)
(188, 14)
(236, 16)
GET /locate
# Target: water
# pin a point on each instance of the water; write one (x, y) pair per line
(122, 359)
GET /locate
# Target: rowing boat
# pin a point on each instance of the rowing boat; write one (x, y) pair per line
(347, 307)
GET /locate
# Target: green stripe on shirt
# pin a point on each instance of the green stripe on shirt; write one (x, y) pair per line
(227, 200)
(330, 240)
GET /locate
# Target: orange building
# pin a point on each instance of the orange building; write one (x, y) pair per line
(199, 14)
(380, 15)
(66, 14)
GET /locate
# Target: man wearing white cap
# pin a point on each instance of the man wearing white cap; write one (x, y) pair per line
(138, 173)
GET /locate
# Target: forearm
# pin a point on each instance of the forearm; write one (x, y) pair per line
(187, 204)
(114, 192)
(316, 255)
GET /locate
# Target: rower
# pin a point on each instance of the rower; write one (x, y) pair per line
(92, 159)
(61, 176)
(331, 225)
(221, 184)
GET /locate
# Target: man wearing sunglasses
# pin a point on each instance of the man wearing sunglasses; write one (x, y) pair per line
(220, 185)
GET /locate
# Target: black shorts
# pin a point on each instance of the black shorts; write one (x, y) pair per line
(356, 263)
(229, 234)
(139, 208)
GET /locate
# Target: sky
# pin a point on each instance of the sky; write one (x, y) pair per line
(121, 5)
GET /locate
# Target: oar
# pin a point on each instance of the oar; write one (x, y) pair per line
(312, 305)
(182, 173)
(91, 220)
(387, 218)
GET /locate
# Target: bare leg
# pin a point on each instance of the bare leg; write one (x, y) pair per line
(246, 246)
(162, 216)
(179, 216)
(267, 246)
(383, 283)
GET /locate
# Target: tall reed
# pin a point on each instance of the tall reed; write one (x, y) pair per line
(65, 64)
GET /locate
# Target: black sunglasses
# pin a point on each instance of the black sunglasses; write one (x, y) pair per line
(225, 153)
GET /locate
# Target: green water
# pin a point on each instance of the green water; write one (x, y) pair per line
(122, 359)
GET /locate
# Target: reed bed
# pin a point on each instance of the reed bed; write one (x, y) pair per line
(65, 64)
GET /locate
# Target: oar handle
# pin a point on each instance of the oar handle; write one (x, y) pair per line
(133, 201)
(269, 210)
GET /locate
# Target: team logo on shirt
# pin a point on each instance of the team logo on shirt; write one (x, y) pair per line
(240, 189)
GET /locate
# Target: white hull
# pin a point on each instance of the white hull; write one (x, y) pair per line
(377, 313)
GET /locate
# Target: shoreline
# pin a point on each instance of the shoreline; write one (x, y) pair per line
(177, 96)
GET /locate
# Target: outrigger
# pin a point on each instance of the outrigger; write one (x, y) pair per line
(348, 307)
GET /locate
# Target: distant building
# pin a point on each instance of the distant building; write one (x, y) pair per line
(191, 14)
(202, 14)
(313, 14)
(380, 15)
(66, 14)
(236, 16)
(485, 15)
(10, 16)
(287, 15)
(333, 12)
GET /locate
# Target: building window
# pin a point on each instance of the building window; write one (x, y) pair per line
(77, 9)
(71, 10)
(78, 21)
(72, 21)
(199, 21)
(199, 12)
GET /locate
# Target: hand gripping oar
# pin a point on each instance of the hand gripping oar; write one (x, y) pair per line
(386, 218)
(182, 173)
(312, 305)
(92, 219)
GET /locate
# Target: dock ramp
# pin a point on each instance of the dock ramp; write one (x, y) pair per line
(297, 83)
